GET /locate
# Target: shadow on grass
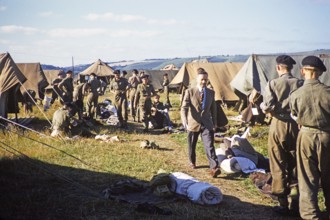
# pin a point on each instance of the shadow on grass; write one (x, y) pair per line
(39, 190)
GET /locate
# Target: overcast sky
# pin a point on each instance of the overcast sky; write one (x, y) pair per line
(54, 31)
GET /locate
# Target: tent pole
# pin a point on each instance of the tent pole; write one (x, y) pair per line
(72, 65)
(16, 106)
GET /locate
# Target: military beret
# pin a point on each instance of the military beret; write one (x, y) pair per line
(286, 60)
(165, 74)
(92, 74)
(69, 72)
(144, 76)
(313, 61)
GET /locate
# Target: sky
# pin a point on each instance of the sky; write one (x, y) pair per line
(56, 32)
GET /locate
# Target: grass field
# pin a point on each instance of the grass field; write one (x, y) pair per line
(46, 178)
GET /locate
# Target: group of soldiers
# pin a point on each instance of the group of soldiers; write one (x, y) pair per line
(137, 88)
(299, 137)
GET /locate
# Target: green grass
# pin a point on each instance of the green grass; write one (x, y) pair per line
(63, 179)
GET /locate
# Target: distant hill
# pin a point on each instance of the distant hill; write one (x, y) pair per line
(156, 64)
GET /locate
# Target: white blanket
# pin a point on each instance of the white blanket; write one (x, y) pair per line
(204, 194)
(198, 192)
(239, 164)
(182, 181)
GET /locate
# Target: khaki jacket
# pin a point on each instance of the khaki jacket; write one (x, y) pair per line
(192, 113)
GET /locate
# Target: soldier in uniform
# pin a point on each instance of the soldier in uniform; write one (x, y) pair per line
(143, 95)
(66, 86)
(166, 83)
(283, 134)
(78, 97)
(134, 82)
(63, 121)
(119, 86)
(310, 107)
(56, 92)
(93, 85)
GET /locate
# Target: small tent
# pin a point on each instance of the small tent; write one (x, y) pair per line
(259, 69)
(11, 79)
(101, 69)
(36, 79)
(169, 67)
(220, 75)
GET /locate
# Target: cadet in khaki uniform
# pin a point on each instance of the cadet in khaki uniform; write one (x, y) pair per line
(134, 82)
(78, 97)
(143, 95)
(283, 134)
(310, 106)
(92, 98)
(166, 89)
(119, 86)
(62, 120)
(66, 86)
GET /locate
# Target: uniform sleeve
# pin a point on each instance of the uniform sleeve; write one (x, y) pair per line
(269, 99)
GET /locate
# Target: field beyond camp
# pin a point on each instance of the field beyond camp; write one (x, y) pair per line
(46, 178)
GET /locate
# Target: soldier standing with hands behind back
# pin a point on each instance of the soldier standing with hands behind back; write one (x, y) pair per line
(283, 134)
(119, 86)
(142, 100)
(310, 106)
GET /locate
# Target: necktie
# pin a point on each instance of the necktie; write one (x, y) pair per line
(203, 98)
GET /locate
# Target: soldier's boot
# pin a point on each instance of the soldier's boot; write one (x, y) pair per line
(283, 208)
(146, 126)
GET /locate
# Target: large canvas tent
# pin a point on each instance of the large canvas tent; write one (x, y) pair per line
(36, 79)
(101, 69)
(11, 79)
(220, 75)
(259, 69)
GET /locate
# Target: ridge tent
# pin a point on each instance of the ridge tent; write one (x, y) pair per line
(11, 79)
(36, 79)
(101, 69)
(220, 75)
(259, 69)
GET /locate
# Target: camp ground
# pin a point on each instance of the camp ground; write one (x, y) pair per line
(36, 79)
(220, 76)
(100, 68)
(259, 69)
(11, 79)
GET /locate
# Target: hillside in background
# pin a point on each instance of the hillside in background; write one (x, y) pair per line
(156, 64)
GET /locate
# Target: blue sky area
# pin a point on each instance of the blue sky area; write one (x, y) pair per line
(54, 31)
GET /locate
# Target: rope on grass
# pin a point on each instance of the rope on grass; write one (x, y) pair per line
(30, 161)
(61, 151)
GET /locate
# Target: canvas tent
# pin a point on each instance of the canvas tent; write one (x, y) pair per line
(36, 79)
(259, 69)
(220, 75)
(52, 74)
(156, 77)
(101, 69)
(11, 79)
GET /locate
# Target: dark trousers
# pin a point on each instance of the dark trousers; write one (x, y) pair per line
(208, 142)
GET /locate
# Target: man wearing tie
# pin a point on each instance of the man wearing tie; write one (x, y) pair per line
(198, 115)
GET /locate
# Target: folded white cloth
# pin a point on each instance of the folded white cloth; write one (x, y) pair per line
(204, 194)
